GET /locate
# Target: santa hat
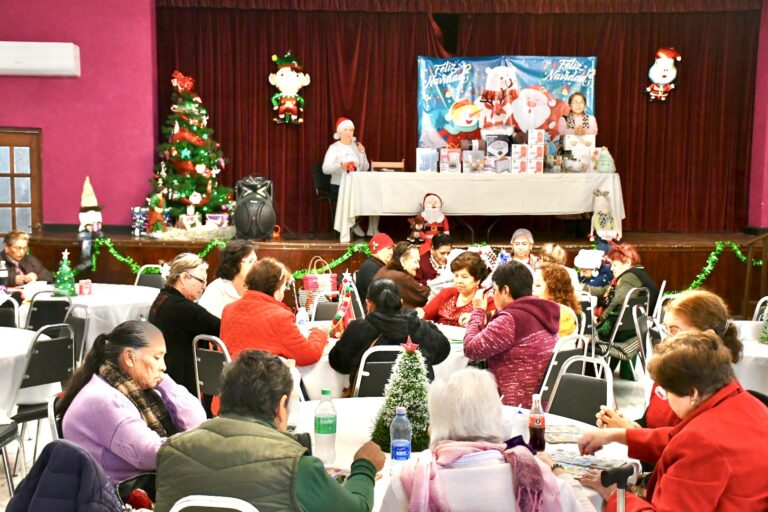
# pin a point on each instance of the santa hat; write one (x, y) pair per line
(424, 201)
(379, 242)
(342, 123)
(88, 200)
(668, 53)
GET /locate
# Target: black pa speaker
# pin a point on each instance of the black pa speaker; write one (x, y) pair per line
(254, 214)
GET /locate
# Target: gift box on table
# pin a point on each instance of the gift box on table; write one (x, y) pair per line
(450, 160)
(426, 160)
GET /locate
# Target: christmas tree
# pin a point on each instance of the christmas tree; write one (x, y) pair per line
(191, 160)
(408, 386)
(764, 327)
(65, 277)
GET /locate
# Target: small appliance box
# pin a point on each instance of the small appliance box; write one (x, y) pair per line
(426, 160)
(472, 161)
(497, 145)
(502, 164)
(536, 137)
(574, 142)
(536, 151)
(535, 166)
(450, 160)
(518, 165)
(519, 151)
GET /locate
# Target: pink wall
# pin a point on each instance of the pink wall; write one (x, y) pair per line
(101, 124)
(758, 183)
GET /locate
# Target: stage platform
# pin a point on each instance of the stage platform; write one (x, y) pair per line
(676, 257)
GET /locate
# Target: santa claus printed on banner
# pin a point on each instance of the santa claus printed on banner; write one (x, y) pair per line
(536, 108)
(435, 220)
(662, 73)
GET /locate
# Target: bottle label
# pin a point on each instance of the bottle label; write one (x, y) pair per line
(536, 421)
(325, 425)
(401, 450)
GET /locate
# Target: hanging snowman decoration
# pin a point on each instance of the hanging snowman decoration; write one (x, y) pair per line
(288, 79)
(662, 73)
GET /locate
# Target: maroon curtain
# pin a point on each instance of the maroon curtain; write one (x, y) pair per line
(362, 66)
(684, 164)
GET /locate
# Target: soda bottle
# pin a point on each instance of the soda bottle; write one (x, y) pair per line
(400, 440)
(302, 321)
(325, 429)
(293, 400)
(536, 425)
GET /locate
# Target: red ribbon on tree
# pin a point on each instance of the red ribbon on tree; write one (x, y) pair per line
(182, 82)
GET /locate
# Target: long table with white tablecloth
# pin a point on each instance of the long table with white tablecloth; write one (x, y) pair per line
(401, 193)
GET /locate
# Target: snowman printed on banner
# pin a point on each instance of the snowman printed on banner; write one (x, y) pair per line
(662, 73)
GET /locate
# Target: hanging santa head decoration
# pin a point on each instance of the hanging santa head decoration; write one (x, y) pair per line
(662, 73)
(288, 79)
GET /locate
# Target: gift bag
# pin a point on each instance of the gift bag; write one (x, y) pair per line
(315, 285)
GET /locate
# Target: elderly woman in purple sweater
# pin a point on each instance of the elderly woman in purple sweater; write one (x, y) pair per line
(518, 341)
(120, 406)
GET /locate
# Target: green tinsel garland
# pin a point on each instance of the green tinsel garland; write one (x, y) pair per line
(713, 258)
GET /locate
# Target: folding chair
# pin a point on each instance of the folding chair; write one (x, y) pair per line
(375, 368)
(146, 278)
(49, 361)
(209, 362)
(657, 306)
(9, 312)
(579, 397)
(55, 419)
(9, 433)
(324, 311)
(642, 328)
(560, 354)
(658, 313)
(213, 503)
(78, 319)
(624, 329)
(47, 307)
(587, 326)
(760, 309)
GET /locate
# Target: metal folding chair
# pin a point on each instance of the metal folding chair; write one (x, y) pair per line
(579, 397)
(213, 503)
(47, 307)
(209, 362)
(564, 349)
(9, 312)
(146, 278)
(375, 368)
(762, 304)
(78, 319)
(624, 327)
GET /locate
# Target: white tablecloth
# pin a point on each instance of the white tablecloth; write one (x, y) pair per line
(14, 345)
(355, 417)
(110, 305)
(401, 193)
(752, 370)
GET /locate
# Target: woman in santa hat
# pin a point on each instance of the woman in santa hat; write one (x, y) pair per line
(347, 155)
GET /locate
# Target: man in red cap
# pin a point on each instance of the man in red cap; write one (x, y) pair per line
(381, 252)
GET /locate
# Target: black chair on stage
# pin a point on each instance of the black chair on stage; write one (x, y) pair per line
(322, 184)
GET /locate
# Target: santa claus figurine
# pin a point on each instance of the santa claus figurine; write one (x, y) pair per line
(663, 73)
(435, 220)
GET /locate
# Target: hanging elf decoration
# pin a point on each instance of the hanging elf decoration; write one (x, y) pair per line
(289, 79)
(662, 73)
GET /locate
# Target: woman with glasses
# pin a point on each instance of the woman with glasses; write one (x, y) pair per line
(176, 313)
(716, 458)
(23, 268)
(691, 311)
(261, 321)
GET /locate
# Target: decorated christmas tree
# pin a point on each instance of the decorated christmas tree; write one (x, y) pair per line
(408, 386)
(65, 277)
(764, 327)
(191, 160)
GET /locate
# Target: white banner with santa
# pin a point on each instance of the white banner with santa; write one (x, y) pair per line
(460, 96)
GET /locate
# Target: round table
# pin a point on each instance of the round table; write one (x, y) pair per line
(13, 361)
(355, 417)
(108, 306)
(752, 370)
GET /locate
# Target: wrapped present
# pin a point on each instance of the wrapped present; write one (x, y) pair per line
(139, 219)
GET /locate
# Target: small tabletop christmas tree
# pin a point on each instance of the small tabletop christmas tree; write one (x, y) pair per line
(408, 386)
(65, 277)
(764, 327)
(191, 160)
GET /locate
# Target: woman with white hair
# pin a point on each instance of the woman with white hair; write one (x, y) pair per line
(522, 245)
(468, 462)
(176, 313)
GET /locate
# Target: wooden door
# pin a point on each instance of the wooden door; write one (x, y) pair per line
(21, 196)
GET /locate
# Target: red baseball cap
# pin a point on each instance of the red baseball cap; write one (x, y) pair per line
(379, 242)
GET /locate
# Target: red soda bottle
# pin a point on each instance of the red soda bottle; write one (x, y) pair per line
(536, 424)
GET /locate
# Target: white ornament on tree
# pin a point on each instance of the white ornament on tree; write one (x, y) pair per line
(195, 198)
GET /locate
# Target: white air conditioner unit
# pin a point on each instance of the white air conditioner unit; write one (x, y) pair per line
(39, 59)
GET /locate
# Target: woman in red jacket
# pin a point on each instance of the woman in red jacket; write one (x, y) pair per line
(716, 458)
(261, 321)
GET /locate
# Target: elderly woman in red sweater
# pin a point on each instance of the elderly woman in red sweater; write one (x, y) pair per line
(261, 321)
(716, 458)
(453, 305)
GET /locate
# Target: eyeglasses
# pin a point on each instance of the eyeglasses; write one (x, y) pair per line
(661, 393)
(201, 281)
(18, 247)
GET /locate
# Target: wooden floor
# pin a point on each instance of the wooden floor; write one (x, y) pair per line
(674, 257)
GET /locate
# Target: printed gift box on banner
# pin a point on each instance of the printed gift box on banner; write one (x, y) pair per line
(450, 160)
(426, 160)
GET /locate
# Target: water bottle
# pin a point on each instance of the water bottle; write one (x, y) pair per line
(302, 321)
(400, 440)
(3, 274)
(325, 429)
(536, 425)
(294, 411)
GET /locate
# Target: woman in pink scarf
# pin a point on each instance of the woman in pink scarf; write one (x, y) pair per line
(468, 467)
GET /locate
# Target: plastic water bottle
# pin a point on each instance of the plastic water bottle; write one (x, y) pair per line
(536, 425)
(325, 429)
(400, 440)
(294, 411)
(3, 274)
(302, 321)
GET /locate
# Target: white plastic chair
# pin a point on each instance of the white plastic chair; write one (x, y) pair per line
(214, 503)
